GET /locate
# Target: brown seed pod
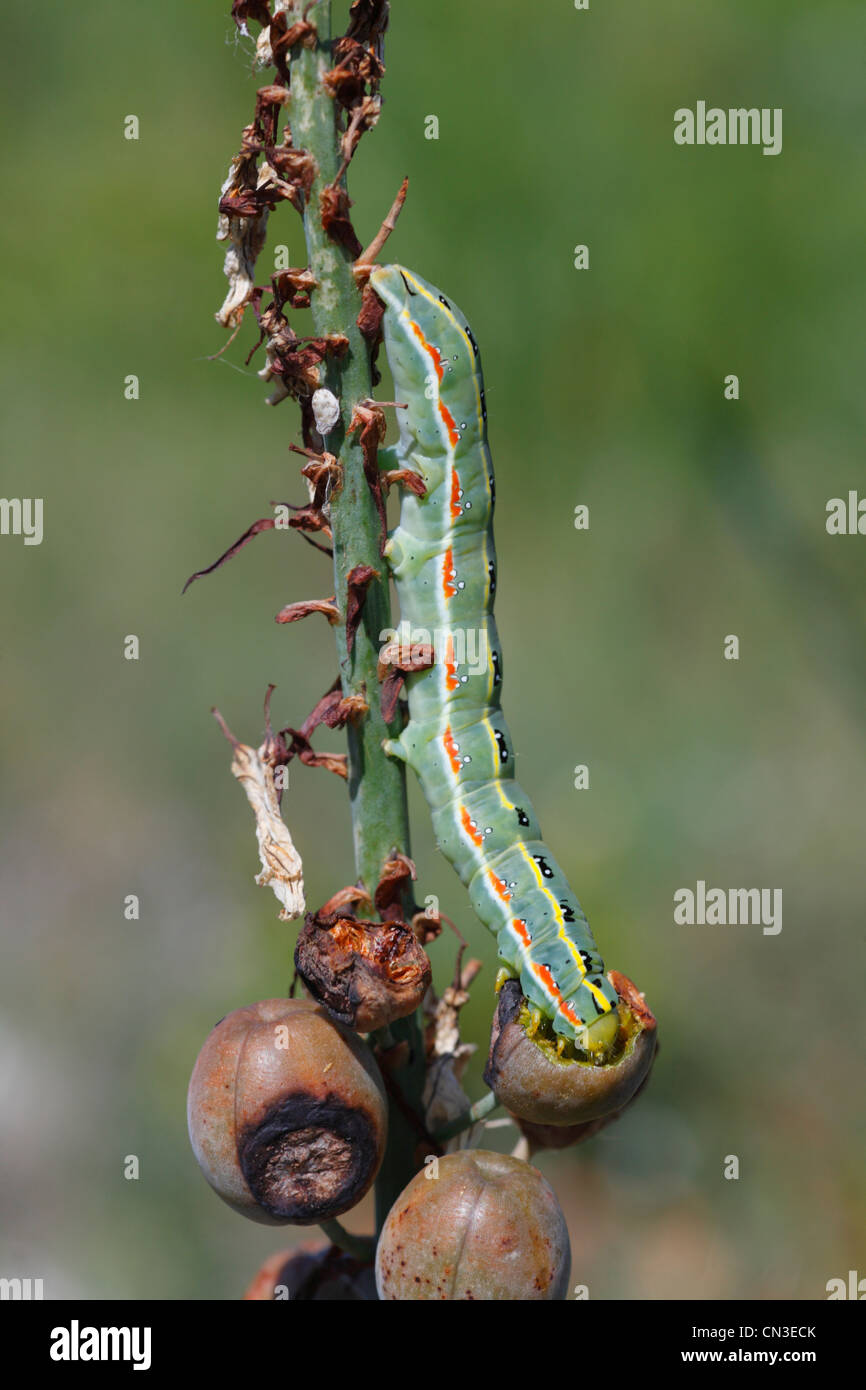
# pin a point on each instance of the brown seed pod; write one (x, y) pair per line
(314, 1273)
(535, 1084)
(541, 1137)
(366, 974)
(487, 1227)
(287, 1113)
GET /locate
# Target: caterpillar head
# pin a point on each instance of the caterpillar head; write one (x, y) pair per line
(426, 335)
(598, 1040)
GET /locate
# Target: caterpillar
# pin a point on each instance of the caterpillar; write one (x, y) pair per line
(443, 561)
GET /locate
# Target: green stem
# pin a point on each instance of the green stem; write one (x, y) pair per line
(377, 786)
(470, 1117)
(361, 1248)
(406, 1148)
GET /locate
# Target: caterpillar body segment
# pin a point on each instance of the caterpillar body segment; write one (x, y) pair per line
(443, 560)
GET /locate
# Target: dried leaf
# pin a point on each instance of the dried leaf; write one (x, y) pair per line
(370, 316)
(370, 421)
(358, 580)
(300, 747)
(242, 10)
(265, 524)
(390, 695)
(368, 20)
(406, 477)
(334, 206)
(397, 874)
(334, 710)
(343, 899)
(281, 863)
(403, 656)
(294, 286)
(632, 996)
(293, 612)
(364, 263)
(246, 236)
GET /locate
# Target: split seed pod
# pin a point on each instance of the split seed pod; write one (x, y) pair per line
(535, 1084)
(287, 1113)
(487, 1227)
(366, 974)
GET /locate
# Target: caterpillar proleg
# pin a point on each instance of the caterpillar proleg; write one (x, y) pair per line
(443, 560)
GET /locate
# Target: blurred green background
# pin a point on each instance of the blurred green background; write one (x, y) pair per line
(604, 387)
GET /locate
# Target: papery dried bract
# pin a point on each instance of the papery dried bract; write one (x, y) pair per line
(281, 863)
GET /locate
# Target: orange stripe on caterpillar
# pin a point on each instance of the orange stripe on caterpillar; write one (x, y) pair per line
(499, 886)
(436, 358)
(432, 352)
(453, 432)
(451, 680)
(452, 750)
(456, 509)
(469, 826)
(449, 588)
(542, 973)
(521, 931)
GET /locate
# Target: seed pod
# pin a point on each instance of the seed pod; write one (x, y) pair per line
(313, 1273)
(488, 1227)
(534, 1083)
(540, 1137)
(287, 1113)
(366, 974)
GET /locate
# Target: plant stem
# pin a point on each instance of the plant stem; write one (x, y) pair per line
(377, 786)
(361, 1248)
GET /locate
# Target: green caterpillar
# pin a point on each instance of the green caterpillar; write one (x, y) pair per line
(444, 564)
